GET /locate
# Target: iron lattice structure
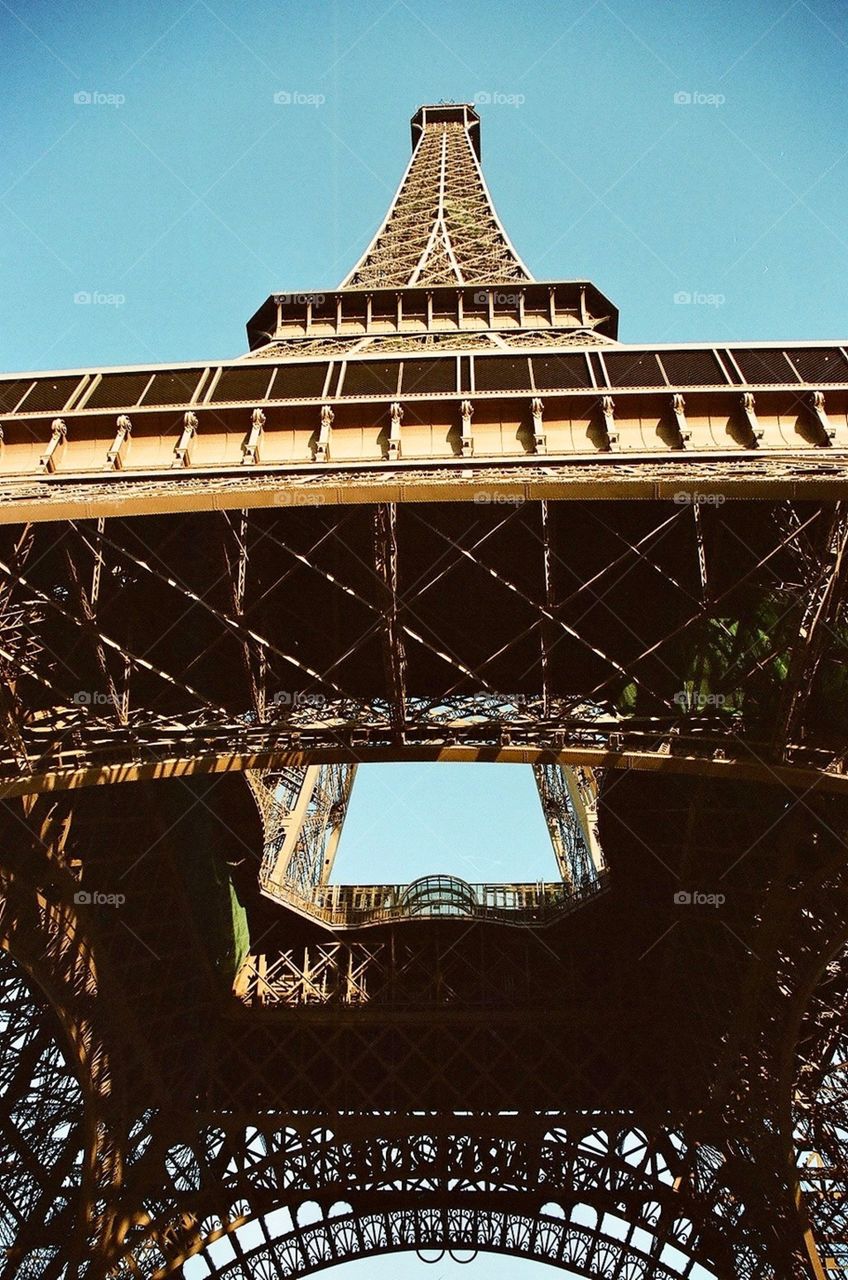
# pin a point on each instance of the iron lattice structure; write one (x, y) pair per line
(438, 514)
(461, 239)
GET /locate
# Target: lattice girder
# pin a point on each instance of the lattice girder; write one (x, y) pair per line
(247, 577)
(442, 227)
(625, 662)
(62, 1132)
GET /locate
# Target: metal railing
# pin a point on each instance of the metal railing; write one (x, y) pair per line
(350, 906)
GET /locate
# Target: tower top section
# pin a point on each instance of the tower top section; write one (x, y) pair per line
(441, 227)
(461, 113)
(440, 274)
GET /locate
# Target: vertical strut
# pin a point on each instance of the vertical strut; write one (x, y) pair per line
(545, 629)
(98, 563)
(569, 798)
(303, 812)
(88, 618)
(823, 605)
(14, 624)
(394, 653)
(702, 553)
(236, 558)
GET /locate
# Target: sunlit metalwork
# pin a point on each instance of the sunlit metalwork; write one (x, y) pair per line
(440, 513)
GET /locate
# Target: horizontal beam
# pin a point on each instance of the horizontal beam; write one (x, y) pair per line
(795, 777)
(817, 477)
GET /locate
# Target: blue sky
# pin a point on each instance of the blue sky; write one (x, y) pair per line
(655, 148)
(480, 822)
(197, 195)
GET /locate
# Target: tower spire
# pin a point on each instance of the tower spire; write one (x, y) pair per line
(441, 227)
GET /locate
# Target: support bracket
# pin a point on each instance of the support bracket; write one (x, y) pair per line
(322, 445)
(828, 431)
(749, 410)
(678, 408)
(540, 439)
(59, 433)
(117, 452)
(182, 457)
(466, 440)
(250, 448)
(608, 411)
(394, 431)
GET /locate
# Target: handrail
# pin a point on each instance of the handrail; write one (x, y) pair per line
(357, 906)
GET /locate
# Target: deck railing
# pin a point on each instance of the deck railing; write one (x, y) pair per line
(352, 906)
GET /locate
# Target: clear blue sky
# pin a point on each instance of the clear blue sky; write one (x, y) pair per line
(191, 195)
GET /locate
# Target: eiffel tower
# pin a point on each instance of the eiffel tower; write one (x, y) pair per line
(439, 513)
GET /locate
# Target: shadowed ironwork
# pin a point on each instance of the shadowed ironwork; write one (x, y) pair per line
(439, 513)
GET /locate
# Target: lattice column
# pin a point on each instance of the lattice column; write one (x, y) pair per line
(442, 227)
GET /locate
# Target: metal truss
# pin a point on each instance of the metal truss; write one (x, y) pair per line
(224, 586)
(239, 425)
(441, 227)
(570, 668)
(359, 973)
(303, 812)
(42, 1133)
(570, 804)
(579, 1227)
(612, 1199)
(428, 343)
(484, 1008)
(815, 1078)
(61, 1148)
(252, 1188)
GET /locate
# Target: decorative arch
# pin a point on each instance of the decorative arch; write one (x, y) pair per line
(565, 1244)
(599, 1199)
(63, 1118)
(43, 1138)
